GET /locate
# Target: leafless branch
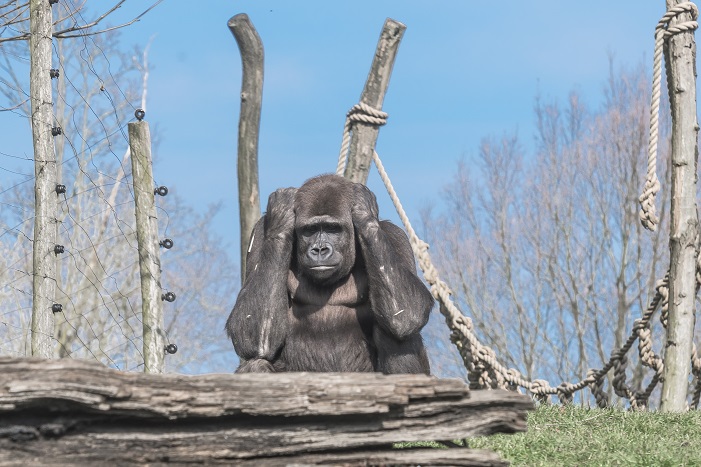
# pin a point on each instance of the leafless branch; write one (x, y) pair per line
(84, 29)
(64, 33)
(7, 109)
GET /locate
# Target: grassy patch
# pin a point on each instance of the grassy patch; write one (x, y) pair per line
(593, 437)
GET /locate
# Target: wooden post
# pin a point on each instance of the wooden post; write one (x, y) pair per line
(364, 136)
(149, 253)
(680, 53)
(45, 203)
(251, 49)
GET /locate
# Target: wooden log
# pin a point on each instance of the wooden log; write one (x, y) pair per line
(251, 49)
(76, 411)
(684, 223)
(364, 136)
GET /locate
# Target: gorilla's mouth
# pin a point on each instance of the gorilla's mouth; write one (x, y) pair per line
(321, 268)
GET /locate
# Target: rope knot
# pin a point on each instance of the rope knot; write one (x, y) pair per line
(364, 113)
(663, 27)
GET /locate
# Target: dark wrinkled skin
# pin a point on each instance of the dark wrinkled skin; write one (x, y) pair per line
(329, 287)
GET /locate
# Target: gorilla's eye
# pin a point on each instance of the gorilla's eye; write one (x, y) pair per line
(326, 227)
(332, 228)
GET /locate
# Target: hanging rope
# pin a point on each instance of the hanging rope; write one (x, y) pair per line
(484, 370)
(358, 113)
(648, 215)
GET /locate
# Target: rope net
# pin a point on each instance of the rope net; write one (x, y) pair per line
(483, 368)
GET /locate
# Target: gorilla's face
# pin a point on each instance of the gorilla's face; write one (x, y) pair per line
(324, 230)
(325, 248)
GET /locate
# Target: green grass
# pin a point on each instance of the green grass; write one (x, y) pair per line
(575, 436)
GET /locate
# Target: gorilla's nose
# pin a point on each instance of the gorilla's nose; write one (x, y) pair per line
(320, 253)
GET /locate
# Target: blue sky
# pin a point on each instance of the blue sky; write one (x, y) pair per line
(465, 70)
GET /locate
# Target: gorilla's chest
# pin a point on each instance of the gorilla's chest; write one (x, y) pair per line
(331, 327)
(351, 292)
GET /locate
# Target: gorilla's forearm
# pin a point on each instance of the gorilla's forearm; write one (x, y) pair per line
(257, 325)
(400, 301)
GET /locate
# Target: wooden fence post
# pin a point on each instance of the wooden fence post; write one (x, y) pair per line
(680, 54)
(251, 49)
(149, 253)
(45, 203)
(364, 136)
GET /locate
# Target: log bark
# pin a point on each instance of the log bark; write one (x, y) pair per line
(81, 412)
(251, 49)
(680, 61)
(364, 136)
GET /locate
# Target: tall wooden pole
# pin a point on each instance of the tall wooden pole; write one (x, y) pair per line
(680, 53)
(149, 253)
(364, 136)
(251, 49)
(45, 203)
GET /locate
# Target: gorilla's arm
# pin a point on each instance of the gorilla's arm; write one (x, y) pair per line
(258, 323)
(399, 299)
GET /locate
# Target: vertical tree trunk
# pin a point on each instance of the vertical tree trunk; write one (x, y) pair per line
(364, 137)
(149, 253)
(251, 49)
(684, 228)
(44, 264)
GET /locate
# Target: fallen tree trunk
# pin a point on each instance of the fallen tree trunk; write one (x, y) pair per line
(72, 411)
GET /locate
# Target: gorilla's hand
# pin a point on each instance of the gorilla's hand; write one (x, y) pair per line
(364, 210)
(255, 365)
(280, 214)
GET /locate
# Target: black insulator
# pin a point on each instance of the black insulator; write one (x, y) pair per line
(54, 73)
(166, 243)
(168, 297)
(56, 308)
(60, 189)
(171, 348)
(53, 2)
(140, 114)
(161, 190)
(58, 249)
(55, 131)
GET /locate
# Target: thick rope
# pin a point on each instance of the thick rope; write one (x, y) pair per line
(483, 368)
(648, 215)
(358, 113)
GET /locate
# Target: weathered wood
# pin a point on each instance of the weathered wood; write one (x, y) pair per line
(45, 198)
(680, 61)
(80, 411)
(364, 136)
(393, 457)
(149, 252)
(251, 49)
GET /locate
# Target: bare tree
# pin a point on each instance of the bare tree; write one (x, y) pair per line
(96, 93)
(73, 20)
(545, 251)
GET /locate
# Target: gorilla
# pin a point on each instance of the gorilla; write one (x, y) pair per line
(329, 287)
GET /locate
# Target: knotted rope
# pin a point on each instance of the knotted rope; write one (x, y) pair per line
(648, 215)
(358, 113)
(484, 370)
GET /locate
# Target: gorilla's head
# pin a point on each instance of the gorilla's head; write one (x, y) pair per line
(325, 238)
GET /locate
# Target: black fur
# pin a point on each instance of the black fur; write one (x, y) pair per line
(329, 287)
